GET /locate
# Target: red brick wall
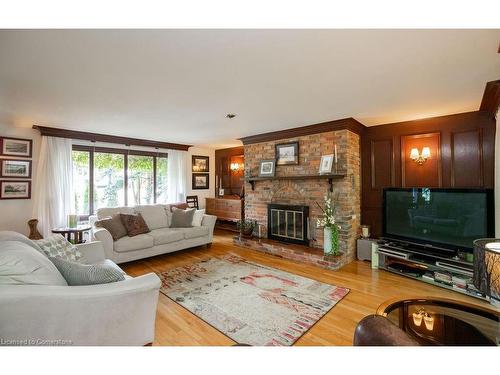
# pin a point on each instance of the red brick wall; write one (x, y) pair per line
(346, 192)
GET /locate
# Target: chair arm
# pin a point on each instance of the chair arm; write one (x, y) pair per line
(376, 330)
(92, 252)
(103, 235)
(121, 313)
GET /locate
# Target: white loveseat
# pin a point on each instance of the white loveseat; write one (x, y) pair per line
(160, 240)
(37, 311)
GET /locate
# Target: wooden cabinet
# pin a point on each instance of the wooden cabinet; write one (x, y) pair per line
(228, 209)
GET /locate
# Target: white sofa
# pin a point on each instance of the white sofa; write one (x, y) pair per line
(119, 313)
(161, 240)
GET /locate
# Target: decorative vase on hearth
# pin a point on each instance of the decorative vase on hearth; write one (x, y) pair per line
(331, 240)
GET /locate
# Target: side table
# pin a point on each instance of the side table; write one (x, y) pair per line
(73, 235)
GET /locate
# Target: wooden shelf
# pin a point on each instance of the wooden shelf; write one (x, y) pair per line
(329, 177)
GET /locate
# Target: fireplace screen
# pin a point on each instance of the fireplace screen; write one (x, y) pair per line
(288, 223)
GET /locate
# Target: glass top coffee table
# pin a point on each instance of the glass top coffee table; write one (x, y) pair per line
(435, 321)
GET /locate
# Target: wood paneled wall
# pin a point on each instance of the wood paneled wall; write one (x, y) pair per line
(462, 155)
(231, 181)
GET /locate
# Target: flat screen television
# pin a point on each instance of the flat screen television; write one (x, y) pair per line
(446, 219)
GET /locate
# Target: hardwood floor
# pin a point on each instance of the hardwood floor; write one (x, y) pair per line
(369, 288)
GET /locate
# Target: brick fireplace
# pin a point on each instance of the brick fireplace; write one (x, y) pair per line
(306, 192)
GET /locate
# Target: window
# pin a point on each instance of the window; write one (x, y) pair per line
(109, 178)
(104, 177)
(140, 180)
(81, 182)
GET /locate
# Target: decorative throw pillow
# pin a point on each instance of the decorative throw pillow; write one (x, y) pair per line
(134, 224)
(58, 246)
(198, 217)
(87, 274)
(114, 226)
(182, 218)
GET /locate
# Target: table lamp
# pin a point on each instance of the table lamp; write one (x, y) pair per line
(487, 268)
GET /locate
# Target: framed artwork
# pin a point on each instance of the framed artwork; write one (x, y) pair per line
(200, 181)
(326, 164)
(266, 168)
(12, 168)
(200, 163)
(16, 147)
(15, 189)
(287, 153)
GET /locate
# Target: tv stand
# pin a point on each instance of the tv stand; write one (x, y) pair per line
(439, 267)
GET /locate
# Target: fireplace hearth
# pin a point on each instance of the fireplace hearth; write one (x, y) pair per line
(288, 223)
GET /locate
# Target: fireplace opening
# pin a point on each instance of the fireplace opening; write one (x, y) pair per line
(288, 223)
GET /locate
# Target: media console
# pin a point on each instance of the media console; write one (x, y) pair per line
(440, 267)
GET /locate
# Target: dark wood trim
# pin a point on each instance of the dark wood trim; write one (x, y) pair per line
(120, 151)
(155, 193)
(480, 182)
(329, 177)
(346, 123)
(95, 137)
(491, 98)
(125, 178)
(21, 160)
(91, 182)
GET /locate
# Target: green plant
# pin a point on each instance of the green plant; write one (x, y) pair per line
(246, 226)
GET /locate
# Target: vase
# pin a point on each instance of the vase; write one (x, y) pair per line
(331, 240)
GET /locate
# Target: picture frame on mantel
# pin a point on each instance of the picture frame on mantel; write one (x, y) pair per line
(287, 153)
(18, 147)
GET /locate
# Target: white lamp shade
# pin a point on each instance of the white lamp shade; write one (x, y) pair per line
(426, 152)
(414, 153)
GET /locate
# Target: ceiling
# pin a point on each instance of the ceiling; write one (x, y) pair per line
(178, 85)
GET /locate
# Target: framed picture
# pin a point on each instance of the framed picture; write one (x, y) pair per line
(16, 147)
(326, 164)
(200, 163)
(287, 153)
(15, 168)
(200, 181)
(15, 189)
(266, 168)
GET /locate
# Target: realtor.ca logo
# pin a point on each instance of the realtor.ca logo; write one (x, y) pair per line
(35, 342)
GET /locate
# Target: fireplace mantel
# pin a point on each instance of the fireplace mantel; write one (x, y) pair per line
(329, 177)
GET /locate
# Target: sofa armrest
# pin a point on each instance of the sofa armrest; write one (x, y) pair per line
(103, 235)
(376, 330)
(121, 313)
(209, 221)
(92, 252)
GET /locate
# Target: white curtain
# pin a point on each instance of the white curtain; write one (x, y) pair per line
(54, 184)
(177, 176)
(497, 177)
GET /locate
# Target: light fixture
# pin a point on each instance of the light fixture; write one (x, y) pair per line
(420, 158)
(487, 268)
(234, 167)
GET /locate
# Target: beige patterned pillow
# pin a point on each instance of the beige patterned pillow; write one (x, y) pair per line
(56, 246)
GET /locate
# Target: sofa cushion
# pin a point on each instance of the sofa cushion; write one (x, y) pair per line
(194, 232)
(182, 218)
(113, 225)
(9, 235)
(142, 241)
(166, 235)
(87, 274)
(134, 224)
(198, 217)
(57, 245)
(21, 264)
(154, 216)
(110, 211)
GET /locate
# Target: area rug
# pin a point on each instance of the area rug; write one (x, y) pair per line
(248, 302)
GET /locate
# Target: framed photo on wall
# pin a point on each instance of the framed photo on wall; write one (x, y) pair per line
(15, 189)
(287, 153)
(16, 147)
(266, 168)
(11, 168)
(200, 163)
(200, 181)
(326, 164)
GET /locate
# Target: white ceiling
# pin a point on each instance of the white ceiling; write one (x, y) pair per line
(177, 85)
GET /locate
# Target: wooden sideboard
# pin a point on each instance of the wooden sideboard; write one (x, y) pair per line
(229, 209)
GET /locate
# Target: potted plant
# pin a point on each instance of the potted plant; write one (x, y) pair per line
(330, 228)
(246, 227)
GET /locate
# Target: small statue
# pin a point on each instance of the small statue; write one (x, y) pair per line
(34, 233)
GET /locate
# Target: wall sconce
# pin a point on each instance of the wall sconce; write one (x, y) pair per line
(235, 166)
(420, 158)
